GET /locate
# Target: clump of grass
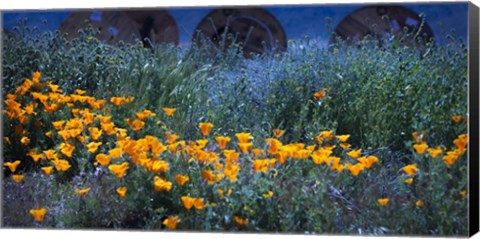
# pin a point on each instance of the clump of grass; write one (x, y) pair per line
(160, 77)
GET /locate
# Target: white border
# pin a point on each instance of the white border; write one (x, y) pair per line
(55, 4)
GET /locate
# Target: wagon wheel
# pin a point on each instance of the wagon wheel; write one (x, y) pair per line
(157, 25)
(370, 20)
(114, 26)
(255, 29)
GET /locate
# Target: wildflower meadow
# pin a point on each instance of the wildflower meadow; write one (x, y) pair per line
(368, 139)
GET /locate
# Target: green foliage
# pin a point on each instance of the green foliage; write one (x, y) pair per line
(379, 94)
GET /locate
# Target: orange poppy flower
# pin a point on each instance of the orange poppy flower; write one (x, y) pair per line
(169, 111)
(245, 147)
(420, 148)
(93, 146)
(25, 140)
(119, 169)
(159, 166)
(383, 201)
(281, 156)
(457, 118)
(240, 221)
(319, 94)
(181, 179)
(171, 222)
(161, 184)
(103, 159)
(171, 137)
(450, 158)
(17, 177)
(66, 149)
(135, 124)
(354, 153)
(205, 128)
(435, 152)
(116, 152)
(187, 202)
(368, 161)
(231, 156)
(201, 143)
(38, 214)
(117, 101)
(12, 165)
(343, 138)
(419, 138)
(221, 193)
(243, 137)
(59, 125)
(198, 203)
(61, 165)
(355, 169)
(461, 141)
(410, 169)
(145, 114)
(327, 134)
(277, 133)
(222, 141)
(122, 191)
(82, 192)
(208, 175)
(258, 152)
(47, 170)
(273, 145)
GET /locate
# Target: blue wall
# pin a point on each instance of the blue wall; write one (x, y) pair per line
(296, 20)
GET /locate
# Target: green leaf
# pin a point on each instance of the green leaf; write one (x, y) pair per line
(414, 69)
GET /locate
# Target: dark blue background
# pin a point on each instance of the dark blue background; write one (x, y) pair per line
(298, 21)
